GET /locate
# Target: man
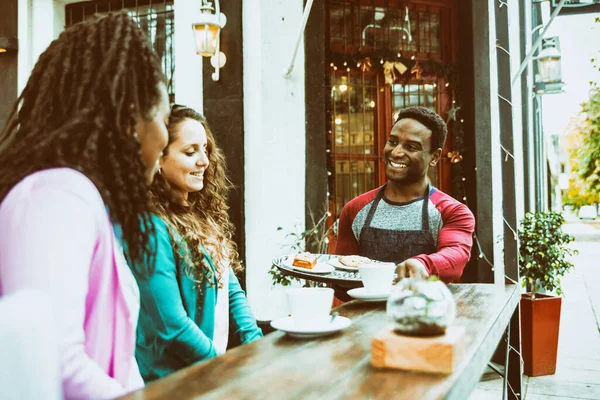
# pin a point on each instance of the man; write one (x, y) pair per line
(406, 221)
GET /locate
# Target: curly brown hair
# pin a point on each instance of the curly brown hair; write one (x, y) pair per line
(78, 110)
(202, 220)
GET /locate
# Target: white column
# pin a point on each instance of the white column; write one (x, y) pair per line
(188, 65)
(40, 22)
(515, 61)
(59, 16)
(24, 36)
(274, 115)
(496, 161)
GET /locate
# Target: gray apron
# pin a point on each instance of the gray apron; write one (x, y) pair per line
(396, 246)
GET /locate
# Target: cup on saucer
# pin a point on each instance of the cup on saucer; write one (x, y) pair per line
(377, 278)
(310, 307)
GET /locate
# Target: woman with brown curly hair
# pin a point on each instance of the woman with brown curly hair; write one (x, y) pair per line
(78, 153)
(192, 300)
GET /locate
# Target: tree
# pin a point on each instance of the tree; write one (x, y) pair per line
(578, 194)
(585, 142)
(588, 154)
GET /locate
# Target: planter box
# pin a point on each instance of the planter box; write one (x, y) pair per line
(540, 323)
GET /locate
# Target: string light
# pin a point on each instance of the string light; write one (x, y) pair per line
(505, 99)
(507, 154)
(503, 49)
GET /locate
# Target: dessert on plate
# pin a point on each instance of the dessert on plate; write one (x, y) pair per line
(354, 261)
(305, 260)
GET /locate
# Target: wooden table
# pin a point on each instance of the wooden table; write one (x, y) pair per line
(338, 366)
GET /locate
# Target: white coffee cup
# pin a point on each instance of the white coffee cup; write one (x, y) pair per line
(377, 277)
(310, 307)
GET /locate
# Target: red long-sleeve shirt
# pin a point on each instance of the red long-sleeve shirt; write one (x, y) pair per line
(451, 222)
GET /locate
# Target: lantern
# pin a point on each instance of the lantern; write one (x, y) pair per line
(549, 76)
(207, 33)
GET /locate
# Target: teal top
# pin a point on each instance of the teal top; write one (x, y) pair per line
(176, 323)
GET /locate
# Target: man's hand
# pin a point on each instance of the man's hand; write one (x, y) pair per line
(412, 268)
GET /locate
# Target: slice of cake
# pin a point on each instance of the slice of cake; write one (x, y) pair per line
(305, 260)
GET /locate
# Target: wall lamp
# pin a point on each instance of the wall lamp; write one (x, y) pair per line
(207, 35)
(8, 45)
(548, 80)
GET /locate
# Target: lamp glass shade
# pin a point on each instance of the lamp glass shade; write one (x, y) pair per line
(206, 36)
(549, 66)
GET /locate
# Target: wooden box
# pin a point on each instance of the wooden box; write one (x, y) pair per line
(437, 354)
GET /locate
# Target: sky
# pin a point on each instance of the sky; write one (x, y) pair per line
(579, 43)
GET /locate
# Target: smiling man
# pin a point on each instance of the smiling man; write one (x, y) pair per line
(407, 221)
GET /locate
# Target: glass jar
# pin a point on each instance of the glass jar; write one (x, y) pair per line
(420, 307)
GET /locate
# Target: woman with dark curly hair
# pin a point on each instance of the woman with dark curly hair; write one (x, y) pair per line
(192, 299)
(78, 153)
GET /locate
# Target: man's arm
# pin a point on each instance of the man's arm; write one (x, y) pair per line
(454, 244)
(346, 241)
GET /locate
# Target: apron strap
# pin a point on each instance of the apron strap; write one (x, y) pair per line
(374, 207)
(425, 212)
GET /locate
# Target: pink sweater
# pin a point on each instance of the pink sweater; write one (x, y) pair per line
(56, 236)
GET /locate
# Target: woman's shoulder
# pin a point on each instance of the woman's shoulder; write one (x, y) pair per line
(67, 180)
(163, 228)
(62, 188)
(159, 223)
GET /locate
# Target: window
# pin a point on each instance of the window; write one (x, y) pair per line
(154, 17)
(385, 26)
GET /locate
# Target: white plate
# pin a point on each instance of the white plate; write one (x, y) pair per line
(336, 263)
(319, 268)
(287, 325)
(362, 294)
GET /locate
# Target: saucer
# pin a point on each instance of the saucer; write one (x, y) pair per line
(319, 268)
(286, 324)
(362, 294)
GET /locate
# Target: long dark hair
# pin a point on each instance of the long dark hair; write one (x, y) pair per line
(79, 109)
(203, 220)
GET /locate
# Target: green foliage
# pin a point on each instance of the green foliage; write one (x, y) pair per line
(589, 153)
(280, 279)
(315, 240)
(543, 251)
(577, 195)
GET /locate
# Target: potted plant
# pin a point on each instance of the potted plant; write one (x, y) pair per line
(543, 260)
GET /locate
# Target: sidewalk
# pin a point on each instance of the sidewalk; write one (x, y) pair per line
(578, 367)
